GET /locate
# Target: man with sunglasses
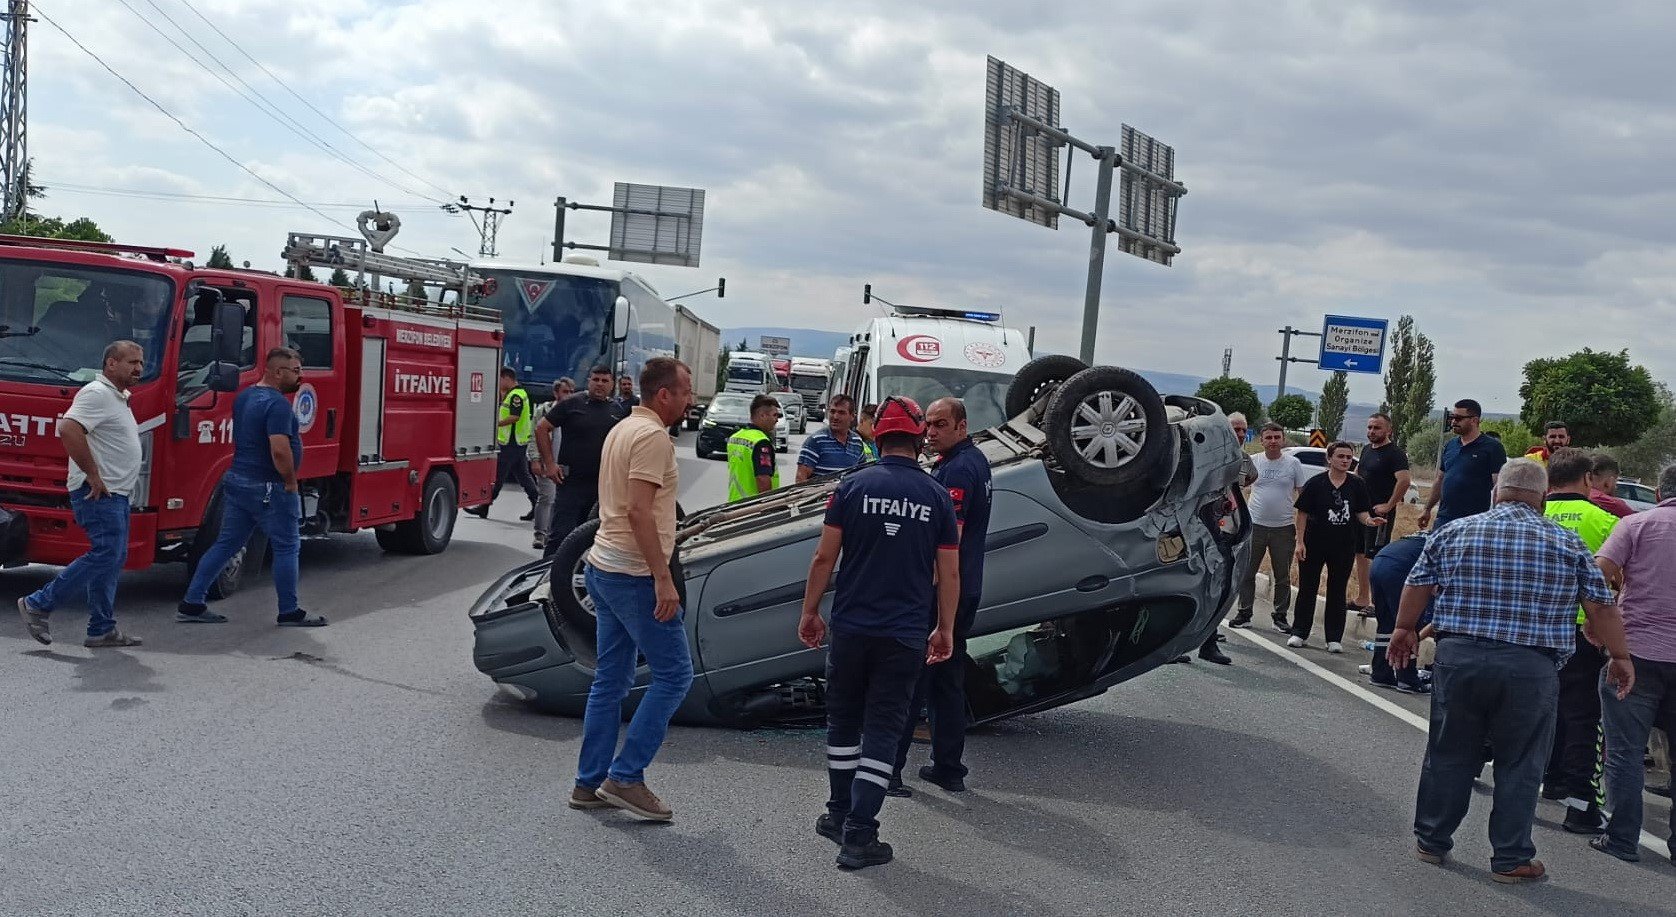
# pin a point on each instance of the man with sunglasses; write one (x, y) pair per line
(1468, 470)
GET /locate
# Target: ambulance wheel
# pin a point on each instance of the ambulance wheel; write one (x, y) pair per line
(243, 565)
(568, 582)
(1036, 377)
(1106, 427)
(433, 528)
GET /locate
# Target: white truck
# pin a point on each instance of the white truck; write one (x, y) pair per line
(751, 373)
(928, 354)
(698, 344)
(809, 379)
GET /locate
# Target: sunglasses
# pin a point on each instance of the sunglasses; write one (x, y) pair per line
(1457, 418)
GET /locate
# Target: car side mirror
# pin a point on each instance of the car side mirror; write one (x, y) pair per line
(227, 346)
(620, 320)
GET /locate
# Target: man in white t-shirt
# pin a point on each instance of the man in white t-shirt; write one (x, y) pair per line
(1273, 529)
(103, 442)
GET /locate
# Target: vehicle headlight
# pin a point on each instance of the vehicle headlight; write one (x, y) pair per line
(708, 423)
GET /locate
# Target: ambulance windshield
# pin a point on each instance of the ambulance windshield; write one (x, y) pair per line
(556, 324)
(57, 319)
(985, 394)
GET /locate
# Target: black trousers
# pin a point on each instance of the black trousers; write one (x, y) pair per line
(869, 683)
(941, 694)
(571, 503)
(1339, 560)
(511, 464)
(1575, 765)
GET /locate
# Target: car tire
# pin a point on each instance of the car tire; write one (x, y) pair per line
(1106, 427)
(243, 566)
(430, 531)
(1036, 377)
(700, 451)
(570, 596)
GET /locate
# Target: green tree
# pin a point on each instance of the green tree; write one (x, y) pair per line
(721, 368)
(1233, 395)
(80, 229)
(1604, 399)
(1335, 397)
(1654, 448)
(339, 278)
(1426, 446)
(1291, 411)
(1410, 381)
(219, 259)
(1515, 436)
(302, 272)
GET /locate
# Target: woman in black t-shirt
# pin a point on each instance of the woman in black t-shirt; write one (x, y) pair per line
(1329, 507)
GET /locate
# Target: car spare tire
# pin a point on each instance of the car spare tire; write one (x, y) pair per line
(570, 592)
(1106, 426)
(1036, 377)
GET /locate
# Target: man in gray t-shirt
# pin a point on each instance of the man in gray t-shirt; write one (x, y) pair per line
(1273, 531)
(103, 443)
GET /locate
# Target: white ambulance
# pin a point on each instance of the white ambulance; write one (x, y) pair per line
(928, 354)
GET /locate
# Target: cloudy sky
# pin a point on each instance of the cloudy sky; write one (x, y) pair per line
(1496, 170)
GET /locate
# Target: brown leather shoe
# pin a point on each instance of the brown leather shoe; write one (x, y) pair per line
(635, 799)
(1528, 872)
(1426, 856)
(583, 798)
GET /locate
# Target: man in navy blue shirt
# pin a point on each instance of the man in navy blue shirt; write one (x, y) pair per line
(1468, 469)
(895, 529)
(260, 492)
(964, 470)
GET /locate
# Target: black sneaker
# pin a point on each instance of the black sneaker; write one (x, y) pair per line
(828, 827)
(951, 784)
(873, 852)
(527, 517)
(899, 790)
(1280, 623)
(1584, 821)
(300, 618)
(1381, 683)
(1210, 652)
(481, 512)
(1240, 620)
(1413, 687)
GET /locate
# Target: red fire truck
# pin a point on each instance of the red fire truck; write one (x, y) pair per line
(397, 410)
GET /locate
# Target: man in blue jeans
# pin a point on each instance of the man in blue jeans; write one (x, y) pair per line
(637, 606)
(1507, 584)
(260, 492)
(103, 443)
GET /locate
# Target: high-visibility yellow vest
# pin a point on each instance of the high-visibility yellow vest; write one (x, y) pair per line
(741, 469)
(515, 402)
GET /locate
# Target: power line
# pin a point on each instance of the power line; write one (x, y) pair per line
(182, 124)
(259, 102)
(294, 94)
(186, 197)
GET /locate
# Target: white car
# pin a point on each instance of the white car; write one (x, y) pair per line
(1639, 496)
(792, 412)
(1313, 457)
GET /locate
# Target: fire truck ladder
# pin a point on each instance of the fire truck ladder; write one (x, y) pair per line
(354, 255)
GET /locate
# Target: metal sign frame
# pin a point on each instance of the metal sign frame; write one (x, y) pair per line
(1016, 156)
(656, 224)
(1146, 202)
(1353, 344)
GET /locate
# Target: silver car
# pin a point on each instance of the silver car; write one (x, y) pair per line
(1115, 541)
(793, 412)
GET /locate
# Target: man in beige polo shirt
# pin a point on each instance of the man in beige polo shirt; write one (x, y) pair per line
(636, 605)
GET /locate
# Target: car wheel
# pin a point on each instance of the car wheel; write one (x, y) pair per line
(1106, 426)
(1036, 378)
(569, 587)
(700, 451)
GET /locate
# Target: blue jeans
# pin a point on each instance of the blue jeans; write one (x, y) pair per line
(248, 505)
(106, 523)
(623, 608)
(1652, 702)
(1487, 692)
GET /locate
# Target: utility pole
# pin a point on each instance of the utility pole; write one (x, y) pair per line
(14, 111)
(1287, 333)
(489, 228)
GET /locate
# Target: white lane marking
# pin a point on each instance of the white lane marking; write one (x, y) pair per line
(1402, 713)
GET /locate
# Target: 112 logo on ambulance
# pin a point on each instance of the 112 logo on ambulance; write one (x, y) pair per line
(920, 348)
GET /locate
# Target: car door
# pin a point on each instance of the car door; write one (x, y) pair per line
(311, 324)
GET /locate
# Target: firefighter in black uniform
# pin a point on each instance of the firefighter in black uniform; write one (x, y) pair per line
(894, 527)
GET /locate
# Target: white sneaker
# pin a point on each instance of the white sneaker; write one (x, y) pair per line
(1295, 642)
(1333, 646)
(1365, 669)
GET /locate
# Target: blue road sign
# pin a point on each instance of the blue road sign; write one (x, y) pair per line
(1352, 344)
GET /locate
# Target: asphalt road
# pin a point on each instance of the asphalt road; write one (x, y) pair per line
(368, 768)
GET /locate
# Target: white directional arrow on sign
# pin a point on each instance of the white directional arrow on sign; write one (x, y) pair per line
(1349, 362)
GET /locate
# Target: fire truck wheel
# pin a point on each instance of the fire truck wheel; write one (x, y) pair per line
(240, 569)
(430, 531)
(1036, 377)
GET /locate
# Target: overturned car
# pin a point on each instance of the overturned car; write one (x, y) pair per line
(1116, 538)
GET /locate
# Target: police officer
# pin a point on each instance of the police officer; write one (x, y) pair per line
(751, 468)
(512, 432)
(895, 529)
(964, 471)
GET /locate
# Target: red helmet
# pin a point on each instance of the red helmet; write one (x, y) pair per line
(899, 414)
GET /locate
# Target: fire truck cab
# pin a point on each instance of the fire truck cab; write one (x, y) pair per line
(396, 410)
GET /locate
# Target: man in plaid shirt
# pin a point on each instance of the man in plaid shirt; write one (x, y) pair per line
(1507, 584)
